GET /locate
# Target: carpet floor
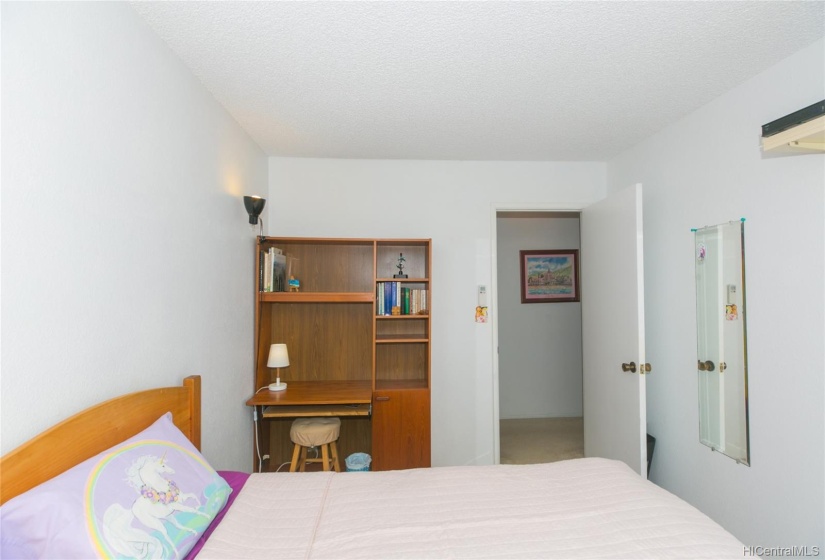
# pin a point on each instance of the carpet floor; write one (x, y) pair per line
(526, 441)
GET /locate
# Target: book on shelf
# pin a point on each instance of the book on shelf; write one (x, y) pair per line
(379, 298)
(267, 287)
(387, 298)
(279, 273)
(273, 270)
(406, 301)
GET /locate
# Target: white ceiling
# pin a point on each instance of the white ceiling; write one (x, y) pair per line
(545, 81)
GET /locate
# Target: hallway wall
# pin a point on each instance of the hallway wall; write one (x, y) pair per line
(540, 356)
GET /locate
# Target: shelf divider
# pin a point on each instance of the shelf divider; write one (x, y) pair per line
(317, 297)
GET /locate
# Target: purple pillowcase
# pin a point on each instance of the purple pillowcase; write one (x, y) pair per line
(152, 495)
(236, 480)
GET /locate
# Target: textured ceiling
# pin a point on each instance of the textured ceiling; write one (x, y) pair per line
(473, 80)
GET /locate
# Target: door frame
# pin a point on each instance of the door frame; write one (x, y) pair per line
(492, 303)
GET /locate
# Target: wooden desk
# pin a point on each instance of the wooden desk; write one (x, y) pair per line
(307, 393)
(306, 410)
(310, 398)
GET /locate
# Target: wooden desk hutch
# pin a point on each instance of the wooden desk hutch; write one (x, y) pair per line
(372, 370)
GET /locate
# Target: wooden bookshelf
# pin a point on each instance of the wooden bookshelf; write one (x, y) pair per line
(335, 334)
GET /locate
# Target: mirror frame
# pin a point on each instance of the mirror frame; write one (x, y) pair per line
(716, 288)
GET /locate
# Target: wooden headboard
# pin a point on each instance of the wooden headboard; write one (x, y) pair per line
(96, 429)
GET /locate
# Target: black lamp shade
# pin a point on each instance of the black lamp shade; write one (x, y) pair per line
(254, 206)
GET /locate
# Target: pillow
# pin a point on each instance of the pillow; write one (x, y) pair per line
(150, 496)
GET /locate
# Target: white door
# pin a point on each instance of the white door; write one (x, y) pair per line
(612, 298)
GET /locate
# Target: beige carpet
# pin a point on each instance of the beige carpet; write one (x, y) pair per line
(527, 441)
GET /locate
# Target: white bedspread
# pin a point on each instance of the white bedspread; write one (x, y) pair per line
(585, 508)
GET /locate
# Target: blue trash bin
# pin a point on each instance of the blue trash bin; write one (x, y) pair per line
(358, 462)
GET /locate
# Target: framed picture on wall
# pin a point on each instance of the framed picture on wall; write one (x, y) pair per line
(549, 276)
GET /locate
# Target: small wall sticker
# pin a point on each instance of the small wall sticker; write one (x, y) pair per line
(701, 252)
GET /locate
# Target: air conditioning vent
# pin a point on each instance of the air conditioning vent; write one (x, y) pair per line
(800, 132)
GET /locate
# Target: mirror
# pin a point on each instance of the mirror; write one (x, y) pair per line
(722, 363)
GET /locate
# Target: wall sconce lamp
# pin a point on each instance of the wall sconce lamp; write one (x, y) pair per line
(254, 206)
(278, 358)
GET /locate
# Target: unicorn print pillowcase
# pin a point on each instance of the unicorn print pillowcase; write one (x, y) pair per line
(151, 496)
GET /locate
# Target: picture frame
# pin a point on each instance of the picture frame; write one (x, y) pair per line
(549, 276)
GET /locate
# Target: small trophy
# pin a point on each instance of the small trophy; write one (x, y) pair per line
(400, 266)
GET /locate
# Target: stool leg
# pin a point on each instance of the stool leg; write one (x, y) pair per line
(295, 454)
(335, 456)
(325, 456)
(303, 460)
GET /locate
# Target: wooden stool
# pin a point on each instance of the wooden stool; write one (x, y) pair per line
(315, 432)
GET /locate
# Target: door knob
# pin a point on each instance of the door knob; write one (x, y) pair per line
(706, 365)
(646, 368)
(629, 367)
(722, 366)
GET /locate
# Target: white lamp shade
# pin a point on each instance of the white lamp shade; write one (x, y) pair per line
(278, 356)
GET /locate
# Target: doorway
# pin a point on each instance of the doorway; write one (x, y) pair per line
(612, 319)
(539, 366)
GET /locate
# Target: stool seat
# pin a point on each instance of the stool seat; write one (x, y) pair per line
(311, 432)
(315, 432)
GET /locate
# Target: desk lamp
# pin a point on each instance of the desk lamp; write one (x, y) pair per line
(278, 358)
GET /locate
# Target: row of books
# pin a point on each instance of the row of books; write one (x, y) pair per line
(273, 271)
(394, 299)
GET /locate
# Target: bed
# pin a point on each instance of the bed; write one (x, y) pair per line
(583, 508)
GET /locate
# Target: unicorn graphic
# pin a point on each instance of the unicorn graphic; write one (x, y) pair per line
(158, 499)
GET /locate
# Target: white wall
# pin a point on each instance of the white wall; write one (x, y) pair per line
(540, 345)
(127, 260)
(704, 170)
(451, 202)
